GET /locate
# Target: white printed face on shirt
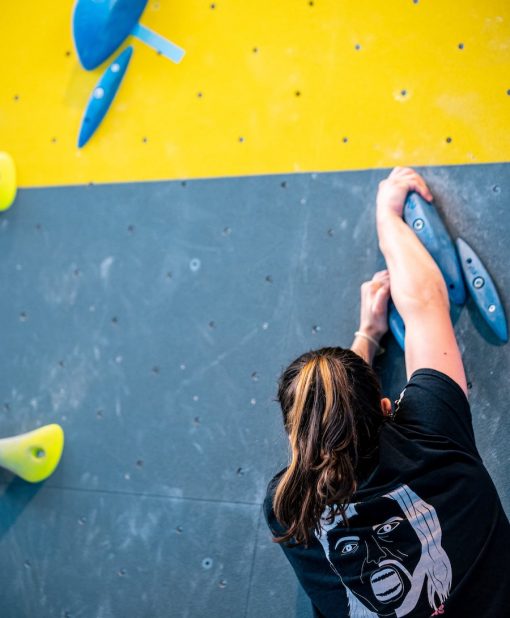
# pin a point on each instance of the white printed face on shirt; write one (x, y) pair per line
(377, 560)
(386, 553)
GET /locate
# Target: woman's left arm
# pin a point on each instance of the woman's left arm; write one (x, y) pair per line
(373, 315)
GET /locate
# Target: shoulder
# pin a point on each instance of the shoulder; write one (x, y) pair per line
(429, 388)
(433, 403)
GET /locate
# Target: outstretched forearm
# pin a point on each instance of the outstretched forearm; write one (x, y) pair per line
(414, 275)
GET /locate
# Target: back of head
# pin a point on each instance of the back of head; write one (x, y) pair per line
(331, 405)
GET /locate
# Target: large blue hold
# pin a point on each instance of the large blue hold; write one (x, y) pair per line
(103, 95)
(425, 221)
(100, 26)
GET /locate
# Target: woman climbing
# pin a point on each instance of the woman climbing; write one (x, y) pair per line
(388, 510)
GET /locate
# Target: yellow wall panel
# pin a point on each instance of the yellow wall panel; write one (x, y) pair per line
(265, 87)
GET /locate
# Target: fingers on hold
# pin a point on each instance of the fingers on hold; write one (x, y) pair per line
(401, 171)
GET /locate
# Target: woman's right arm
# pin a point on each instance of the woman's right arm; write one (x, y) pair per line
(417, 286)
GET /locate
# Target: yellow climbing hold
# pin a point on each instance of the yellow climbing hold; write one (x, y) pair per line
(7, 181)
(34, 455)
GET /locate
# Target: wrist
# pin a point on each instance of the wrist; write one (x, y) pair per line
(366, 346)
(371, 331)
(386, 214)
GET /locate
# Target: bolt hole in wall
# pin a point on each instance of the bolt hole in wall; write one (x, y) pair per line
(207, 563)
(194, 265)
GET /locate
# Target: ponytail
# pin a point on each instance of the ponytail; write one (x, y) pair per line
(330, 401)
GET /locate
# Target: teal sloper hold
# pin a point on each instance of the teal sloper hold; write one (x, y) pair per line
(103, 95)
(423, 218)
(483, 290)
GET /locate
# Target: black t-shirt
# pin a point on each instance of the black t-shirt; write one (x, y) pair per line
(427, 534)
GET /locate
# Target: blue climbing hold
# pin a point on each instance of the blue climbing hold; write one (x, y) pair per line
(425, 221)
(483, 290)
(100, 27)
(103, 95)
(396, 324)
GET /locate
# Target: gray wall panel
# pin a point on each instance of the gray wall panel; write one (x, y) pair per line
(162, 370)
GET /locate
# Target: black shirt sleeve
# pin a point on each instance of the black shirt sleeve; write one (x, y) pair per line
(433, 403)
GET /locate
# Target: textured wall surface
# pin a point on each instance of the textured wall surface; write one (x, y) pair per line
(265, 87)
(151, 321)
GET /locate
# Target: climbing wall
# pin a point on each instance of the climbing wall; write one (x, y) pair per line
(265, 87)
(218, 224)
(151, 321)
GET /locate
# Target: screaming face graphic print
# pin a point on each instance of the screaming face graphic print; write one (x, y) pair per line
(389, 555)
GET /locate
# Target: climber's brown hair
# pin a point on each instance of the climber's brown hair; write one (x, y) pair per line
(331, 405)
